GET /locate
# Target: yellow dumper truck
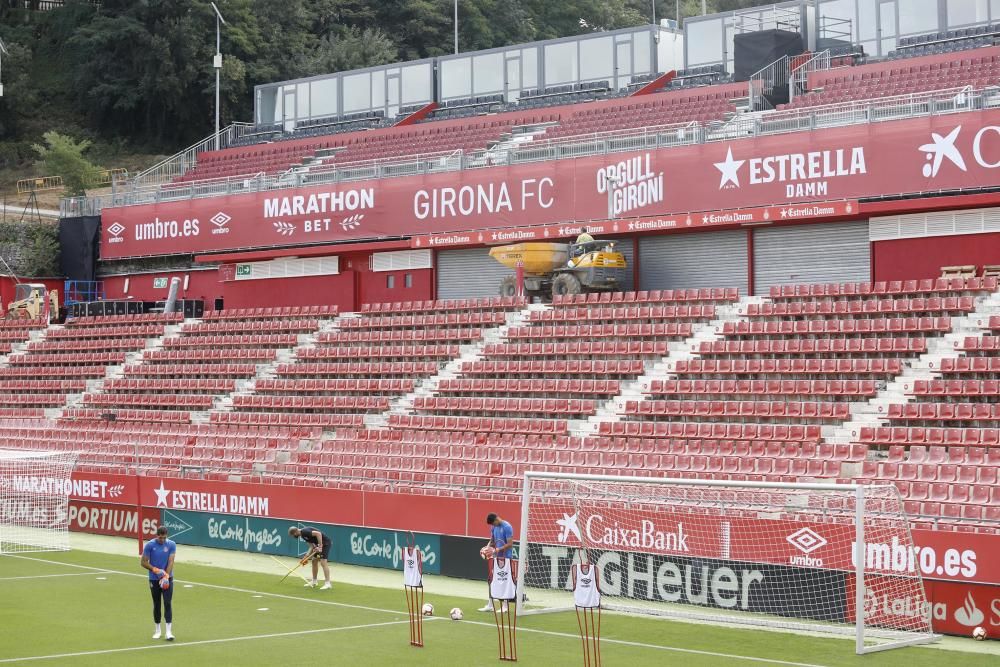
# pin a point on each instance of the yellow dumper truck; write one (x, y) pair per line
(562, 268)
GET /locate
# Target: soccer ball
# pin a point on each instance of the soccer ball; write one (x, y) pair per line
(428, 609)
(456, 614)
(979, 634)
(486, 552)
(165, 583)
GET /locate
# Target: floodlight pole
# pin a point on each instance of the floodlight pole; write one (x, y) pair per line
(3, 52)
(456, 27)
(217, 64)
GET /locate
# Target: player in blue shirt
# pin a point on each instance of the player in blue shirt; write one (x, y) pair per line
(501, 541)
(158, 558)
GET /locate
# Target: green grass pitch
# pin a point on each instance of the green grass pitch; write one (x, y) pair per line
(81, 608)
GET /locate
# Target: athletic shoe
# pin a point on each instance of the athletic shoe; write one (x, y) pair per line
(310, 584)
(156, 635)
(327, 586)
(170, 637)
(488, 607)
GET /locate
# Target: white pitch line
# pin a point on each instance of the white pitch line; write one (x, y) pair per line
(674, 649)
(48, 576)
(176, 645)
(550, 633)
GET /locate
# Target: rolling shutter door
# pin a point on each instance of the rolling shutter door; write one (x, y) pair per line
(627, 248)
(467, 273)
(685, 261)
(821, 253)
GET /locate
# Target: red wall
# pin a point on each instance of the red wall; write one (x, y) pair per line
(372, 287)
(201, 285)
(908, 259)
(335, 290)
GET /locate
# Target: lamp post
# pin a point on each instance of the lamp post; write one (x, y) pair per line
(3, 52)
(217, 64)
(456, 27)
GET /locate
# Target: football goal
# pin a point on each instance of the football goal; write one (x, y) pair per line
(34, 500)
(817, 558)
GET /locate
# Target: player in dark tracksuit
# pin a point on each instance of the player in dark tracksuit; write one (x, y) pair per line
(319, 551)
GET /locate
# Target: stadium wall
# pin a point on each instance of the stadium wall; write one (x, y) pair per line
(908, 259)
(962, 576)
(202, 284)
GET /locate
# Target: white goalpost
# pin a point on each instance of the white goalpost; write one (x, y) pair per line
(34, 500)
(790, 557)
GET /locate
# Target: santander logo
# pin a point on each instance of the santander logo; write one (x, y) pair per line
(945, 148)
(968, 614)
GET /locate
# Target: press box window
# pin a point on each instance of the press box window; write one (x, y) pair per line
(408, 280)
(390, 281)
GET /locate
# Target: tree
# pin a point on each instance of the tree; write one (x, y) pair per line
(62, 156)
(351, 48)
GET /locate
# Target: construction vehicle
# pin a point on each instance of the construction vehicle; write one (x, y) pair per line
(562, 268)
(30, 300)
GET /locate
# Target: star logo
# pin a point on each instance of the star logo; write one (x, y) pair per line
(784, 213)
(568, 526)
(704, 219)
(162, 494)
(730, 170)
(941, 148)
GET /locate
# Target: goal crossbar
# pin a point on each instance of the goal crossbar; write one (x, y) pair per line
(853, 584)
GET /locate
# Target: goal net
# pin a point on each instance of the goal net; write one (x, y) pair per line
(794, 557)
(34, 500)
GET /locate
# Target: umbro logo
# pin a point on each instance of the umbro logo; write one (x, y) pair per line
(116, 230)
(806, 540)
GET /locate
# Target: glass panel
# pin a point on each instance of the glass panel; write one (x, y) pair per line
(624, 64)
(323, 97)
(704, 42)
(963, 12)
(867, 20)
(597, 59)
(995, 10)
(289, 97)
(488, 74)
(529, 68)
(416, 83)
(641, 54)
(560, 64)
(302, 96)
(392, 107)
(266, 102)
(513, 80)
(378, 89)
(357, 92)
(456, 78)
(917, 16)
(832, 15)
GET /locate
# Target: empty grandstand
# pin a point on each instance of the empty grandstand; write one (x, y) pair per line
(785, 185)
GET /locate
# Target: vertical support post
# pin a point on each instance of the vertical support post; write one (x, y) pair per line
(522, 550)
(456, 27)
(218, 68)
(859, 570)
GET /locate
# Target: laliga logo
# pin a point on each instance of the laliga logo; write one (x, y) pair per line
(567, 526)
(968, 614)
(944, 148)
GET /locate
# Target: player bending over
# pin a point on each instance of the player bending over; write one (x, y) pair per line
(500, 545)
(319, 552)
(158, 558)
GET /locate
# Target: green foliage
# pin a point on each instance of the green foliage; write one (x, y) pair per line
(140, 73)
(63, 156)
(30, 248)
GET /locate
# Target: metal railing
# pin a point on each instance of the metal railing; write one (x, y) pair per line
(950, 100)
(799, 78)
(182, 162)
(764, 81)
